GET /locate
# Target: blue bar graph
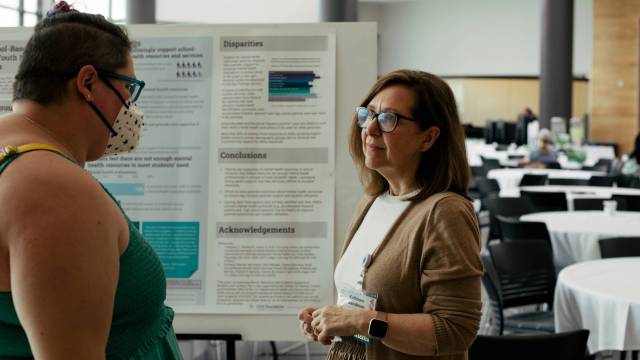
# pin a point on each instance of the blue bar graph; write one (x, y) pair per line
(291, 85)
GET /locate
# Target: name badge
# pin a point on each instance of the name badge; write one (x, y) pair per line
(352, 298)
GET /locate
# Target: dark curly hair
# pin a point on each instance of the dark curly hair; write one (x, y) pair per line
(61, 44)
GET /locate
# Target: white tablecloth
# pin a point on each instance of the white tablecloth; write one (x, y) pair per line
(509, 179)
(604, 297)
(575, 234)
(477, 148)
(574, 192)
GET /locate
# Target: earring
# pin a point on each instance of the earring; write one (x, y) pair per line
(88, 96)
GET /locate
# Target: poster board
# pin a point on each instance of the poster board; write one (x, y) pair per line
(352, 49)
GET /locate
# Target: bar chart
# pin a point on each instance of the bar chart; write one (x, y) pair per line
(291, 85)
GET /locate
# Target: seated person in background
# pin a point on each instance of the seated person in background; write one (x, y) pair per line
(545, 153)
(631, 166)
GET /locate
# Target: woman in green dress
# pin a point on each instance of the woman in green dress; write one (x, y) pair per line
(77, 281)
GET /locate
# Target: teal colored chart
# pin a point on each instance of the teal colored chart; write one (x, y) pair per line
(176, 243)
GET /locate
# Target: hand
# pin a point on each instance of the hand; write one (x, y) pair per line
(332, 320)
(305, 318)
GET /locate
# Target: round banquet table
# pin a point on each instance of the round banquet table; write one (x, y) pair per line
(509, 179)
(574, 192)
(575, 234)
(602, 296)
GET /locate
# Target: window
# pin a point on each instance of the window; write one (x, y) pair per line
(28, 12)
(114, 10)
(20, 12)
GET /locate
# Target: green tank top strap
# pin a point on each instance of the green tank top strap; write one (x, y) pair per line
(9, 153)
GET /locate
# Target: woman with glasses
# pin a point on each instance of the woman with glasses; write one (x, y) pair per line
(408, 281)
(77, 281)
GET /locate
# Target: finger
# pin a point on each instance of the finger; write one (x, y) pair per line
(307, 329)
(316, 312)
(324, 339)
(305, 313)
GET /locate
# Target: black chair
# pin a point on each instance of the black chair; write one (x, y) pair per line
(513, 229)
(490, 164)
(567, 346)
(506, 207)
(619, 247)
(601, 168)
(485, 187)
(546, 201)
(553, 165)
(604, 164)
(490, 131)
(596, 180)
(588, 204)
(574, 182)
(477, 171)
(533, 180)
(627, 202)
(519, 273)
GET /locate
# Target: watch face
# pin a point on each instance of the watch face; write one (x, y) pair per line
(377, 328)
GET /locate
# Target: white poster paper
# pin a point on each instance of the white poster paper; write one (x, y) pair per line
(163, 185)
(273, 173)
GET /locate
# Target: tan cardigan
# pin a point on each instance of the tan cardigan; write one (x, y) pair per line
(428, 262)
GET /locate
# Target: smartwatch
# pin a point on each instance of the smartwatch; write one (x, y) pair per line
(377, 327)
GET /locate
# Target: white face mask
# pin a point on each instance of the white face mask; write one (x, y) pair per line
(128, 127)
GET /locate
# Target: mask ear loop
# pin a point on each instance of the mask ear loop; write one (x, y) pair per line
(102, 118)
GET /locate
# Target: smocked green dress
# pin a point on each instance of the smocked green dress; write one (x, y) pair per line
(141, 326)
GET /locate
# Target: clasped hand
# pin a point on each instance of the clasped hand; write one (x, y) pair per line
(323, 324)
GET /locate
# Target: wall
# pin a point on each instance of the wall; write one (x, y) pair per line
(238, 11)
(493, 98)
(471, 37)
(614, 95)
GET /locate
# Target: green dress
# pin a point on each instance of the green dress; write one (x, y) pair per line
(141, 326)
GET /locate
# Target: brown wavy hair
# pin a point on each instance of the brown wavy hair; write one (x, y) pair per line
(444, 166)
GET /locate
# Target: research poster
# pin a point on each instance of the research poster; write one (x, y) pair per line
(10, 57)
(233, 181)
(272, 171)
(163, 185)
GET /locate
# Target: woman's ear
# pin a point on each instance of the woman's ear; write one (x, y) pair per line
(430, 137)
(86, 78)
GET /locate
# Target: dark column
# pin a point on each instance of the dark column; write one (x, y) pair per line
(141, 11)
(556, 65)
(338, 10)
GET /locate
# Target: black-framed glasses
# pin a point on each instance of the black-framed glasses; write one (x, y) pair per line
(134, 86)
(387, 121)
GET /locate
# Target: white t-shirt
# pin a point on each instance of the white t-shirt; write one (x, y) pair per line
(382, 214)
